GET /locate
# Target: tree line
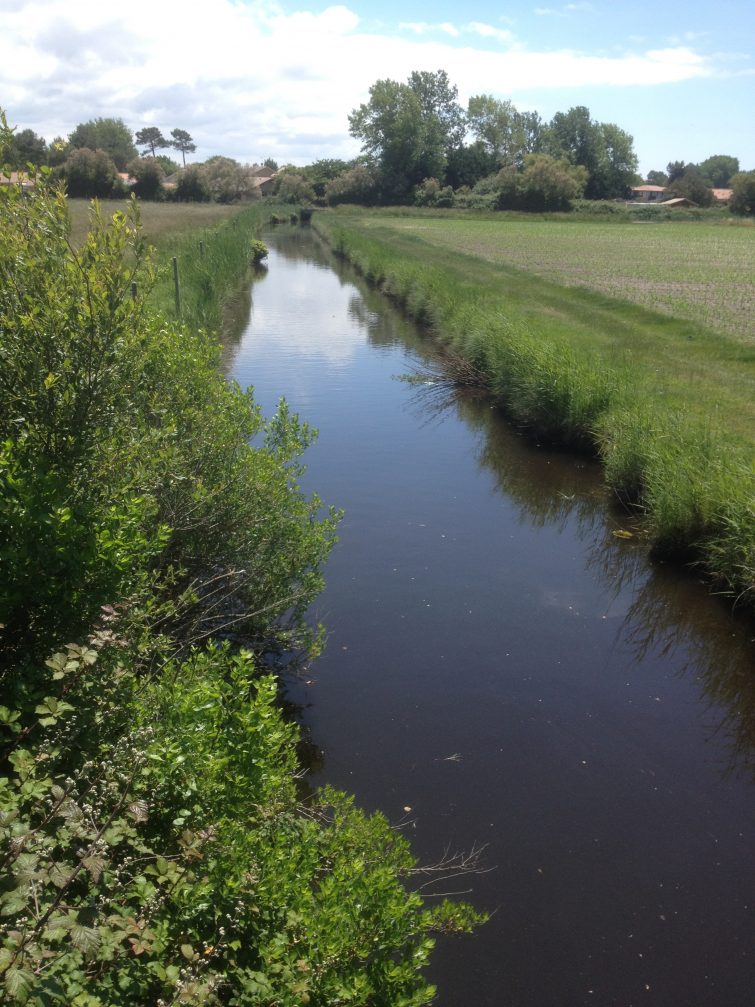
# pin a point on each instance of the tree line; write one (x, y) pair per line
(92, 160)
(419, 145)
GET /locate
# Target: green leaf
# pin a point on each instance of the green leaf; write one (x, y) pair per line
(18, 983)
(86, 939)
(14, 902)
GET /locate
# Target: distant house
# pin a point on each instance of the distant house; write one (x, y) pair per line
(677, 203)
(263, 180)
(647, 193)
(17, 178)
(127, 179)
(722, 195)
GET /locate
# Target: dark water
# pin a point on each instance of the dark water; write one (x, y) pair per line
(515, 674)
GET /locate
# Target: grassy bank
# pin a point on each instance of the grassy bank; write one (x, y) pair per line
(211, 243)
(212, 262)
(668, 404)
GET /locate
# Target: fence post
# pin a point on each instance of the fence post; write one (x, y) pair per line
(177, 286)
(201, 249)
(133, 290)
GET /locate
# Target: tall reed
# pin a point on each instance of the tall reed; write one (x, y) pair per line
(211, 264)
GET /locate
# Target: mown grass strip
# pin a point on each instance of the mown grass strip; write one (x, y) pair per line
(666, 404)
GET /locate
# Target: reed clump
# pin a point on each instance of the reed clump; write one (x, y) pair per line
(672, 446)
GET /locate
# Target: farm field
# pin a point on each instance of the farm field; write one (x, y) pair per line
(699, 271)
(708, 369)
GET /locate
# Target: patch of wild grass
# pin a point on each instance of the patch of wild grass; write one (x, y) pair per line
(159, 220)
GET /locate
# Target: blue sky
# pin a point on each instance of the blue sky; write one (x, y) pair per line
(258, 78)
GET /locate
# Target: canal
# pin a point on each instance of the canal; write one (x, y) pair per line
(506, 672)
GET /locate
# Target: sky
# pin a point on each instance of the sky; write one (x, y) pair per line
(252, 79)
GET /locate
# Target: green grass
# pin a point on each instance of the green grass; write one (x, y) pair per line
(667, 403)
(159, 220)
(693, 270)
(207, 277)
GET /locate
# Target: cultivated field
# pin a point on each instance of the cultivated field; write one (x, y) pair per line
(703, 272)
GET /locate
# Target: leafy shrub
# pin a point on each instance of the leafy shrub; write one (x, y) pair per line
(357, 185)
(149, 177)
(192, 186)
(91, 173)
(156, 851)
(257, 251)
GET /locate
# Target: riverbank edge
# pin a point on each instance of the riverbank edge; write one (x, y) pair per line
(689, 487)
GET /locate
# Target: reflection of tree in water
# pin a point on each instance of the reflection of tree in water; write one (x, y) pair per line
(367, 309)
(674, 616)
(670, 613)
(300, 244)
(548, 486)
(236, 312)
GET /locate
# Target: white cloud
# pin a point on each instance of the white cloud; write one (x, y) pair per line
(250, 81)
(488, 31)
(424, 28)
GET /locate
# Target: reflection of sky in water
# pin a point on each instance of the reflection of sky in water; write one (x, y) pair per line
(479, 603)
(320, 324)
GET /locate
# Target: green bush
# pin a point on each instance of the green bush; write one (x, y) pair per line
(156, 850)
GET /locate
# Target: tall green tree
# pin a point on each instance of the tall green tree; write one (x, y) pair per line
(617, 169)
(675, 169)
(470, 163)
(718, 170)
(692, 186)
(25, 147)
(408, 130)
(603, 148)
(506, 134)
(151, 139)
(183, 141)
(743, 198)
(110, 135)
(657, 178)
(439, 105)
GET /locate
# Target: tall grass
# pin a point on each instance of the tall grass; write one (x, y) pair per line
(211, 264)
(673, 449)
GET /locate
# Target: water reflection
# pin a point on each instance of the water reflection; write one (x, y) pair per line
(669, 613)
